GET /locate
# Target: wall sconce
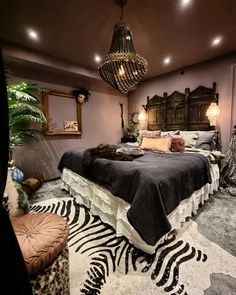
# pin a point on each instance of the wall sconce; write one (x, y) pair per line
(142, 117)
(213, 113)
(144, 107)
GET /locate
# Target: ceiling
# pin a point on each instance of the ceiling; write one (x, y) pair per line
(73, 31)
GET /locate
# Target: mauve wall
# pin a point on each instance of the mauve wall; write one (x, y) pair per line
(221, 70)
(101, 123)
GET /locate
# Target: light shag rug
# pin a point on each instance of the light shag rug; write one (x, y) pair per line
(100, 263)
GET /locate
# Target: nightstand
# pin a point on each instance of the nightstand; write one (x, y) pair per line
(128, 139)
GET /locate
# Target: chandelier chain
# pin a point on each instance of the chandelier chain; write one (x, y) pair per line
(121, 11)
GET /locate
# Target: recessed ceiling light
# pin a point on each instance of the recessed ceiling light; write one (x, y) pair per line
(216, 41)
(97, 58)
(167, 60)
(32, 34)
(185, 3)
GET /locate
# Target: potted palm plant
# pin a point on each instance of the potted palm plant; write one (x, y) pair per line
(132, 132)
(25, 125)
(25, 117)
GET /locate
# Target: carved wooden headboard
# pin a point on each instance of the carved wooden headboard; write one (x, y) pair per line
(181, 111)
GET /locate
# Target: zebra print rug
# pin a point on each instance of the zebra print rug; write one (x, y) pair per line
(101, 263)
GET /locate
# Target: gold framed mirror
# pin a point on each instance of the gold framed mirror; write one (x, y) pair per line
(135, 117)
(63, 113)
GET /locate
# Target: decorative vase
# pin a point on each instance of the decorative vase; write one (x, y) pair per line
(17, 175)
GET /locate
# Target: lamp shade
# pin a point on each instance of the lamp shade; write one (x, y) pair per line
(142, 117)
(122, 67)
(213, 113)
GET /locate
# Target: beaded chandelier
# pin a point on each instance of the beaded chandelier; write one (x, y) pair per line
(122, 67)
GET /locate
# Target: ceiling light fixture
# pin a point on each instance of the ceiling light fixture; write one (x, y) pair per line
(216, 41)
(97, 58)
(122, 67)
(32, 34)
(185, 3)
(167, 60)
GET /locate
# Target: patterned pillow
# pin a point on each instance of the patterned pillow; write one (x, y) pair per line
(177, 144)
(161, 144)
(190, 137)
(169, 133)
(208, 140)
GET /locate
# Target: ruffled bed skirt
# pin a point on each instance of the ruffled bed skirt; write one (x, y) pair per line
(113, 210)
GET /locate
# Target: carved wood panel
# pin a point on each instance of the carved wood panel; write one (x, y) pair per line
(185, 111)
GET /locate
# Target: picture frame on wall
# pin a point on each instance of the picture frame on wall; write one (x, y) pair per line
(60, 122)
(70, 125)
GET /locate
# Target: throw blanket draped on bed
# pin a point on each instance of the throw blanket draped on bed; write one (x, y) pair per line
(154, 184)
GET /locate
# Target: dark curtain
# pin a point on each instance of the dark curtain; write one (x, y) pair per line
(13, 278)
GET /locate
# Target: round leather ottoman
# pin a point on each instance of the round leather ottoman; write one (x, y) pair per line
(43, 241)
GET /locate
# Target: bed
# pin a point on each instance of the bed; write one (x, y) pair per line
(147, 198)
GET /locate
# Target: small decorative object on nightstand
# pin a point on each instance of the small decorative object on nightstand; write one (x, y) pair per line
(17, 175)
(131, 134)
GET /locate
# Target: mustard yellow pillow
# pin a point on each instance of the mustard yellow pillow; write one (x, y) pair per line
(161, 144)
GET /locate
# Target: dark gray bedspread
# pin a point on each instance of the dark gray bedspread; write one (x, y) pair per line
(154, 185)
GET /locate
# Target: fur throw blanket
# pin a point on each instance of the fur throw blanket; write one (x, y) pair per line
(105, 151)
